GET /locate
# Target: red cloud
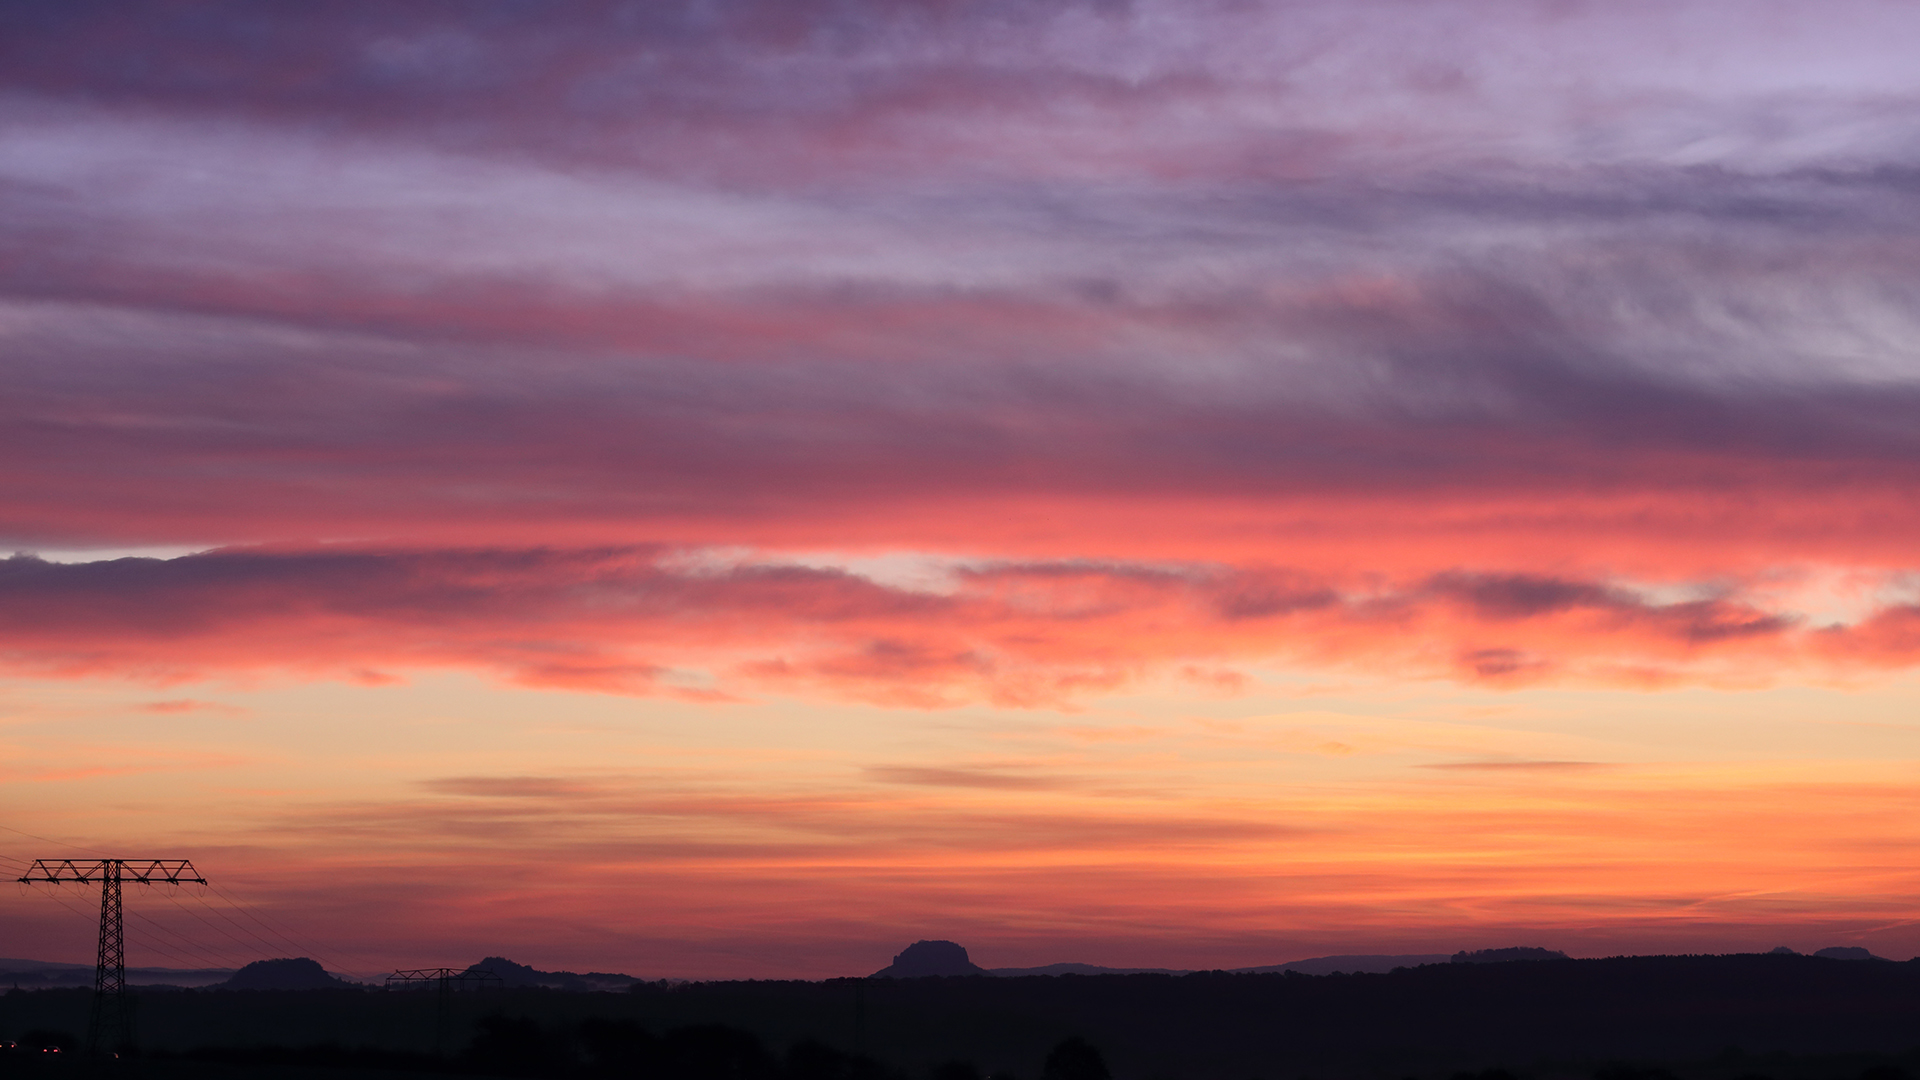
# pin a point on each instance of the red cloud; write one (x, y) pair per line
(642, 621)
(872, 278)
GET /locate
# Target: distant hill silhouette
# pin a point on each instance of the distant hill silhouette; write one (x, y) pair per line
(936, 959)
(513, 974)
(923, 958)
(1726, 1017)
(1350, 964)
(298, 973)
(1359, 964)
(1846, 952)
(1501, 956)
(1080, 969)
(48, 974)
(1372, 964)
(1691, 1017)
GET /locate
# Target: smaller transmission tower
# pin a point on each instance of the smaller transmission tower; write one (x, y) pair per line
(111, 1026)
(448, 980)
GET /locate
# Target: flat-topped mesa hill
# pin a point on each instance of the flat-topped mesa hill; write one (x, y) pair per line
(923, 958)
(302, 973)
(294, 973)
(512, 974)
(1845, 952)
(1439, 1019)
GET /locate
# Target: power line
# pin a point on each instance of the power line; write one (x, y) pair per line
(228, 934)
(220, 955)
(112, 1021)
(82, 913)
(180, 941)
(50, 840)
(58, 899)
(307, 949)
(260, 919)
(271, 946)
(184, 942)
(187, 963)
(192, 957)
(286, 939)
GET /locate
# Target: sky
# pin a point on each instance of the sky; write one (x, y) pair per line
(728, 488)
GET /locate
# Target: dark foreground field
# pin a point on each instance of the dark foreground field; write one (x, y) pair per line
(1700, 1018)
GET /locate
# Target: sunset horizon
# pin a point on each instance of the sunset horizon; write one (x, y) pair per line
(729, 490)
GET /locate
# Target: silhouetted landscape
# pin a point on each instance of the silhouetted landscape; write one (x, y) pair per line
(723, 488)
(1528, 1014)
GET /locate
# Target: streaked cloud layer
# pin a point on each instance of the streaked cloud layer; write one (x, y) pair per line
(1019, 634)
(1113, 360)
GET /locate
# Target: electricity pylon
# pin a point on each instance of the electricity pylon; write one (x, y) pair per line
(112, 1020)
(448, 980)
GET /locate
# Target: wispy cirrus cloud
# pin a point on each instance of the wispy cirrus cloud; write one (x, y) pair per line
(995, 263)
(782, 864)
(1004, 355)
(1518, 766)
(987, 779)
(175, 706)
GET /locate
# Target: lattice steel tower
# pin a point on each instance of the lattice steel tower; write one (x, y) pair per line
(111, 1026)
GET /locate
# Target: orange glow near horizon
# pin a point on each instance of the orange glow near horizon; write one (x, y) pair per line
(444, 817)
(736, 491)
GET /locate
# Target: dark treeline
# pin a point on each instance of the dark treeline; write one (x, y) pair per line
(522, 1047)
(1634, 1018)
(519, 1046)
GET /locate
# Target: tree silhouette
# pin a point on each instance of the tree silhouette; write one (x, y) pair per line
(1076, 1059)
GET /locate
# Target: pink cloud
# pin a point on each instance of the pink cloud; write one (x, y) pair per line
(634, 621)
(173, 706)
(1444, 341)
